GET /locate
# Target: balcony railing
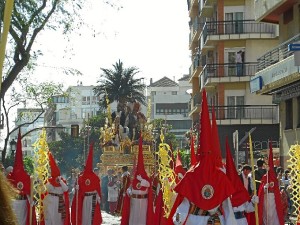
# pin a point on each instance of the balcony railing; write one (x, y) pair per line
(195, 101)
(254, 113)
(277, 54)
(229, 70)
(237, 27)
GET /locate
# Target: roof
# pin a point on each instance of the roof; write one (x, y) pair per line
(185, 77)
(164, 82)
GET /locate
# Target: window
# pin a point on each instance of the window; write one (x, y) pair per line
(289, 114)
(174, 92)
(236, 109)
(153, 93)
(86, 100)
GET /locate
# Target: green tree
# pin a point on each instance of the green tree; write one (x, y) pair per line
(69, 150)
(38, 96)
(161, 125)
(120, 84)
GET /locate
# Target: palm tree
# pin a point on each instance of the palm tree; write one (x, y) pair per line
(120, 85)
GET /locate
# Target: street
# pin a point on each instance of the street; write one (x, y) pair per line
(109, 219)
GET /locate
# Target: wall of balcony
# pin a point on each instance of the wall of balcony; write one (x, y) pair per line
(247, 114)
(239, 29)
(229, 70)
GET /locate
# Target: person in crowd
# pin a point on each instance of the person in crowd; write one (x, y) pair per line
(125, 184)
(113, 193)
(246, 179)
(270, 207)
(20, 180)
(104, 190)
(138, 202)
(86, 202)
(56, 201)
(240, 199)
(259, 172)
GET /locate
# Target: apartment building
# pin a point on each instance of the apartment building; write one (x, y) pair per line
(170, 102)
(70, 112)
(278, 68)
(30, 131)
(225, 42)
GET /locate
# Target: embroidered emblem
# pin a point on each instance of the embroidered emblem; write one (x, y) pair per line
(20, 185)
(271, 184)
(138, 185)
(87, 182)
(207, 191)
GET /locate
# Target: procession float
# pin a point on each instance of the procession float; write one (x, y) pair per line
(120, 134)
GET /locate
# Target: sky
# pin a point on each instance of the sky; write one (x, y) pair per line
(150, 35)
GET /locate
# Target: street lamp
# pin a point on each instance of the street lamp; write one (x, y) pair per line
(12, 144)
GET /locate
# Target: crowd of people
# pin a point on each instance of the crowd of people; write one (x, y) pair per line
(209, 192)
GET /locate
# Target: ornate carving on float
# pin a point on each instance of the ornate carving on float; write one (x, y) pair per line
(119, 139)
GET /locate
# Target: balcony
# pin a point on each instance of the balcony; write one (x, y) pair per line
(228, 72)
(195, 30)
(195, 68)
(237, 30)
(206, 8)
(277, 54)
(193, 6)
(194, 105)
(247, 114)
(270, 11)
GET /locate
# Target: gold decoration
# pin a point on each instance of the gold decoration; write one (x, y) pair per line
(294, 161)
(41, 171)
(166, 176)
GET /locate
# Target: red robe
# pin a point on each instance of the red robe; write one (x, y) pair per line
(278, 204)
(85, 186)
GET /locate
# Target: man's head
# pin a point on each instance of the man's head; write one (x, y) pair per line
(124, 168)
(260, 163)
(96, 170)
(246, 170)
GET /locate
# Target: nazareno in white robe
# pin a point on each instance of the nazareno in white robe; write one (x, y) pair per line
(52, 216)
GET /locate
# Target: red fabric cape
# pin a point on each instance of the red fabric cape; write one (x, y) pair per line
(240, 195)
(94, 185)
(278, 204)
(195, 181)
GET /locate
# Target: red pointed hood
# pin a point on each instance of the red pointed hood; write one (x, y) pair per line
(140, 168)
(240, 195)
(201, 184)
(89, 181)
(216, 148)
(55, 172)
(19, 177)
(205, 129)
(178, 167)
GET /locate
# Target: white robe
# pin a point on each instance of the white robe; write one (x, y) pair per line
(269, 211)
(246, 207)
(182, 212)
(20, 209)
(138, 207)
(87, 206)
(52, 216)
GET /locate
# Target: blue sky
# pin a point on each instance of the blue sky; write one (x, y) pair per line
(151, 35)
